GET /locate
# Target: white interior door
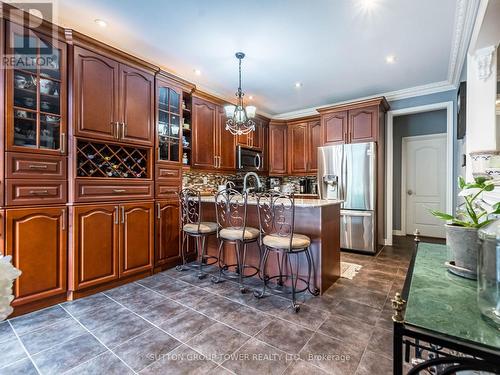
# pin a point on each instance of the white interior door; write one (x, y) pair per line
(424, 184)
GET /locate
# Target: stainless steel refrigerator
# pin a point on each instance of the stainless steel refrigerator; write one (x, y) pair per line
(349, 172)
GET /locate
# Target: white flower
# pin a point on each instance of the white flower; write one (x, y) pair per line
(8, 273)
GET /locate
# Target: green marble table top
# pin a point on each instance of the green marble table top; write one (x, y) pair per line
(445, 303)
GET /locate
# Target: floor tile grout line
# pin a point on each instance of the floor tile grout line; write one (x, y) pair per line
(242, 304)
(93, 335)
(161, 329)
(24, 348)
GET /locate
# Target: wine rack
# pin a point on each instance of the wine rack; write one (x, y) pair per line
(111, 161)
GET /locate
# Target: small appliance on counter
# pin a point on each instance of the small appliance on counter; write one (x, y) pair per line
(274, 183)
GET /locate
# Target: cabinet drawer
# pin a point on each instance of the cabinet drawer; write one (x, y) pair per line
(91, 191)
(168, 173)
(166, 191)
(20, 165)
(23, 192)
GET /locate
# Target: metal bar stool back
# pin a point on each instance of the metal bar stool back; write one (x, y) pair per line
(194, 227)
(231, 209)
(276, 213)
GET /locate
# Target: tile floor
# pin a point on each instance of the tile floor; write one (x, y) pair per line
(174, 323)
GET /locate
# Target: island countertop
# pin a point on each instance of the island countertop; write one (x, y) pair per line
(299, 202)
(318, 219)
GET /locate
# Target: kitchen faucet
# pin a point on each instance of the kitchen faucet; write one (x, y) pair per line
(256, 176)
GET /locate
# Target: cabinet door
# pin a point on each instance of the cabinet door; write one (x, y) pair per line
(226, 144)
(277, 150)
(314, 143)
(96, 97)
(363, 125)
(334, 127)
(204, 134)
(36, 239)
(167, 232)
(168, 123)
(35, 99)
(94, 259)
(298, 148)
(257, 136)
(137, 106)
(136, 238)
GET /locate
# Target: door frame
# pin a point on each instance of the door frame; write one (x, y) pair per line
(390, 157)
(404, 144)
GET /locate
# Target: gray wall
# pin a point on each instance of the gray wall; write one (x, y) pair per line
(410, 125)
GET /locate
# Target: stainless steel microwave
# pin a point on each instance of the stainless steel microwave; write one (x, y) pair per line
(248, 159)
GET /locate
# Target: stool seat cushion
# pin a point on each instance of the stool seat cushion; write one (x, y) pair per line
(232, 233)
(299, 241)
(205, 228)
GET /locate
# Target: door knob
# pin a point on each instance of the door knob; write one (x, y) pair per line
(410, 192)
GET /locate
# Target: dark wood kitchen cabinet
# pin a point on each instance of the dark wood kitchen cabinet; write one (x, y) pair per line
(277, 148)
(354, 122)
(334, 126)
(298, 148)
(314, 139)
(363, 125)
(112, 100)
(36, 239)
(204, 129)
(304, 138)
(213, 146)
(226, 144)
(136, 238)
(254, 139)
(167, 252)
(95, 245)
(109, 242)
(35, 96)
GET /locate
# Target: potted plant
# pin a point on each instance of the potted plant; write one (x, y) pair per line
(462, 229)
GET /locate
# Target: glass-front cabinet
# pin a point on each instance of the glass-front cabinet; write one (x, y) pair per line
(169, 118)
(36, 91)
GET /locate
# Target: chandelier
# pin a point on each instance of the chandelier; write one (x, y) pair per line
(239, 118)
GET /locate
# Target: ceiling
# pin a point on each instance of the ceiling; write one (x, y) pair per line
(336, 48)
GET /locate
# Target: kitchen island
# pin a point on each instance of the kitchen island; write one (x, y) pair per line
(316, 218)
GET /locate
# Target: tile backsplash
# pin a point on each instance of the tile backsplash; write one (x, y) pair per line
(203, 180)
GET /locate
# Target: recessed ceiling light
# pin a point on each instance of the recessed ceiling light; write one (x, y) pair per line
(250, 97)
(197, 72)
(298, 84)
(391, 59)
(100, 22)
(368, 4)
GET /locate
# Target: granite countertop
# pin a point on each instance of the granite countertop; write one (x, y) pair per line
(298, 202)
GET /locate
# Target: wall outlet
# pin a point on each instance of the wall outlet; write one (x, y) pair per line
(205, 180)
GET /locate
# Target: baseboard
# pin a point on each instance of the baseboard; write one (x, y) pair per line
(398, 233)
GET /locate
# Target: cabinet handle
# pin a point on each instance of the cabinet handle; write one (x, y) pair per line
(63, 222)
(37, 166)
(39, 192)
(123, 214)
(119, 190)
(63, 143)
(116, 215)
(158, 214)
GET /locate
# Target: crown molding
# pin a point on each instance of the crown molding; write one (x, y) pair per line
(465, 19)
(411, 92)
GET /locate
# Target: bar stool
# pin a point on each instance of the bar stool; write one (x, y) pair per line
(192, 226)
(231, 212)
(276, 213)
